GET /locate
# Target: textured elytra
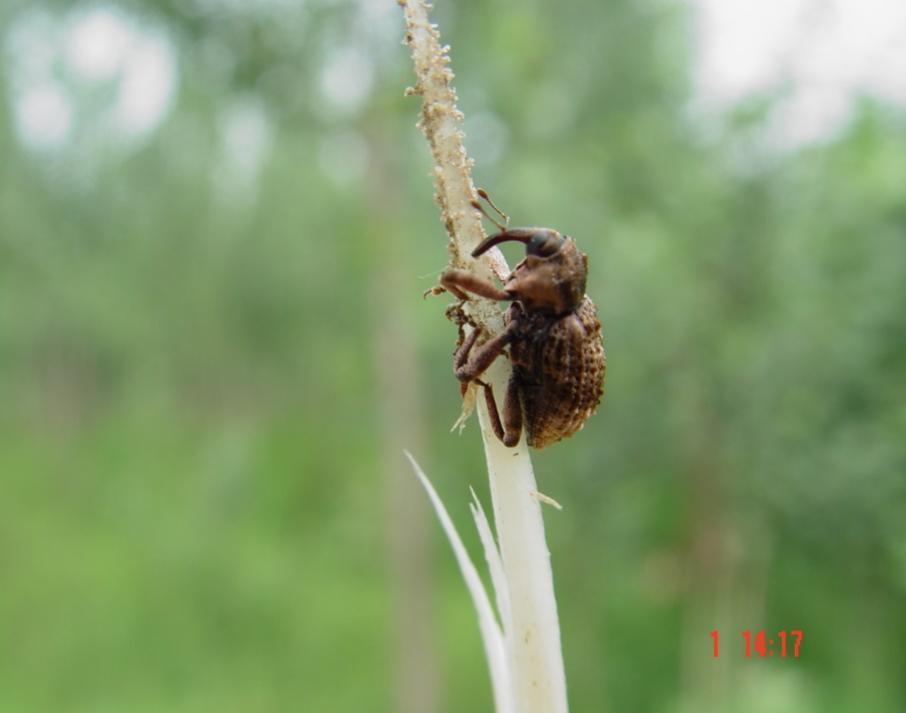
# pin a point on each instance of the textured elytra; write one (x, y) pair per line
(560, 365)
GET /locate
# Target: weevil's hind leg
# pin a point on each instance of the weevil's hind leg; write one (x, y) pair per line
(493, 413)
(468, 365)
(512, 414)
(510, 430)
(461, 281)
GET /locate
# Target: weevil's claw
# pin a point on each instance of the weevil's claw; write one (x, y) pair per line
(434, 291)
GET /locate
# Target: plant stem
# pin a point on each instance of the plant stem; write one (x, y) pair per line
(532, 633)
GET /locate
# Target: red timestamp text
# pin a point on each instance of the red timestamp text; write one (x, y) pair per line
(786, 644)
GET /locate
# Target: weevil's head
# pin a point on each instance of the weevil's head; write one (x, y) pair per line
(551, 278)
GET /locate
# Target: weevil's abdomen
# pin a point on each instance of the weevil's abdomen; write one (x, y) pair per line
(561, 374)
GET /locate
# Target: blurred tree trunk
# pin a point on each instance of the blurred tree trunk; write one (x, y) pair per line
(401, 415)
(728, 549)
(726, 567)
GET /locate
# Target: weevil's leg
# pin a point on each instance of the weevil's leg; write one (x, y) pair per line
(493, 413)
(434, 291)
(462, 352)
(510, 430)
(469, 366)
(459, 281)
(449, 284)
(512, 414)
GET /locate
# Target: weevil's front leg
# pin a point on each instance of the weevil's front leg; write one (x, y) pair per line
(467, 365)
(461, 281)
(510, 430)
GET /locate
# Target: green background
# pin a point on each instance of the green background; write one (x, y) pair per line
(205, 391)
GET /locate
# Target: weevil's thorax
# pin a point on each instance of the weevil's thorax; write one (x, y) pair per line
(552, 285)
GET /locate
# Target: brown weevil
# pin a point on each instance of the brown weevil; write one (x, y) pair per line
(553, 334)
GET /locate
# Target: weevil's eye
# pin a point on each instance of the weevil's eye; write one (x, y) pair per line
(544, 243)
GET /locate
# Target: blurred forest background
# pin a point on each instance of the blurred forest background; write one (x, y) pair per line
(216, 225)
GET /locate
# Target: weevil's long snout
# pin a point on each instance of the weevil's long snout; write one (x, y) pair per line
(538, 241)
(489, 242)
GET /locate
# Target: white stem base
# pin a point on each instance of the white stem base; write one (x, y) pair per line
(533, 633)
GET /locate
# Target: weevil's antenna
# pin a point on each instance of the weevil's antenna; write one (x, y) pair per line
(480, 208)
(482, 193)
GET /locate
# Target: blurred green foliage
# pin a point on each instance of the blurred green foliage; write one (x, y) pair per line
(191, 431)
